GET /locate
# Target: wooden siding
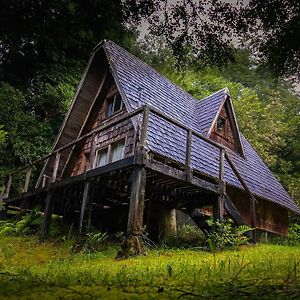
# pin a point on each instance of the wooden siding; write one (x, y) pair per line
(228, 138)
(123, 131)
(269, 216)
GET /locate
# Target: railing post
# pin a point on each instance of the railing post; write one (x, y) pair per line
(55, 167)
(93, 151)
(144, 128)
(188, 153)
(6, 195)
(27, 180)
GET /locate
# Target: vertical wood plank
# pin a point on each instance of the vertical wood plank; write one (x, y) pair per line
(8, 186)
(219, 210)
(93, 151)
(188, 153)
(47, 213)
(44, 177)
(144, 128)
(253, 216)
(83, 211)
(27, 180)
(55, 167)
(137, 197)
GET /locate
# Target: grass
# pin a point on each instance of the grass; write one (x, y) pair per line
(31, 270)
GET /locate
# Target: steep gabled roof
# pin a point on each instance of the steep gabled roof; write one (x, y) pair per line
(141, 84)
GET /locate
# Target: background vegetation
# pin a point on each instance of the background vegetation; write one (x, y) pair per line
(44, 47)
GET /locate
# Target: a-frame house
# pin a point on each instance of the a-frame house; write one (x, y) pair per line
(134, 148)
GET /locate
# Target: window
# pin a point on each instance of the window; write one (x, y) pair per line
(117, 151)
(110, 154)
(101, 157)
(114, 104)
(221, 122)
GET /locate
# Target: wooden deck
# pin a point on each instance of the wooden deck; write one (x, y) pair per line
(130, 181)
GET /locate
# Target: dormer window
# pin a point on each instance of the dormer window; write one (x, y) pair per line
(114, 104)
(221, 126)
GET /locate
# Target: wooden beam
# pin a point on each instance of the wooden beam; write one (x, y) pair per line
(219, 207)
(47, 213)
(92, 151)
(55, 167)
(137, 197)
(144, 127)
(27, 180)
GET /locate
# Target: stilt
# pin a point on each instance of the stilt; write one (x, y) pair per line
(85, 213)
(133, 244)
(47, 213)
(167, 224)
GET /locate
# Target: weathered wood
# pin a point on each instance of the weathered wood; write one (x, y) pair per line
(243, 183)
(44, 178)
(167, 223)
(6, 195)
(92, 152)
(27, 180)
(55, 167)
(84, 204)
(47, 213)
(144, 128)
(219, 207)
(136, 205)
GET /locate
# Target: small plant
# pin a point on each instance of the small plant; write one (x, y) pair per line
(226, 236)
(95, 241)
(187, 236)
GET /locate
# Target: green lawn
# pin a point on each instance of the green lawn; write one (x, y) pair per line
(30, 270)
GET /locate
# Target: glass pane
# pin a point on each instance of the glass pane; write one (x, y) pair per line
(118, 102)
(117, 151)
(101, 158)
(110, 106)
(221, 125)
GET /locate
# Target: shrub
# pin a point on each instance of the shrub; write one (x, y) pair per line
(95, 241)
(226, 236)
(187, 236)
(294, 234)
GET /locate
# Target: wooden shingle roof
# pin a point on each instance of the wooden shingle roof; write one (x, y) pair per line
(141, 84)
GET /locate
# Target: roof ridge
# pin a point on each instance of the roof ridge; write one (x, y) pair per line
(211, 95)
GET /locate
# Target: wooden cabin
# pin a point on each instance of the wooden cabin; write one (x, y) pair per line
(134, 148)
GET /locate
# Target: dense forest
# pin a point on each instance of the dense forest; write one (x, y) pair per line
(45, 45)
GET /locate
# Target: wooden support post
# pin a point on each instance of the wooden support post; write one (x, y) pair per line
(144, 127)
(137, 197)
(133, 244)
(47, 213)
(253, 216)
(219, 208)
(27, 180)
(188, 153)
(6, 195)
(84, 204)
(55, 167)
(167, 223)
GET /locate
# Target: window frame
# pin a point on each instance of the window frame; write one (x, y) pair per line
(225, 130)
(113, 98)
(109, 152)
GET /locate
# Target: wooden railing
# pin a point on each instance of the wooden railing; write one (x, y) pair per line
(146, 111)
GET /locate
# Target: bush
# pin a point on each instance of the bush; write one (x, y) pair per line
(187, 236)
(226, 236)
(294, 234)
